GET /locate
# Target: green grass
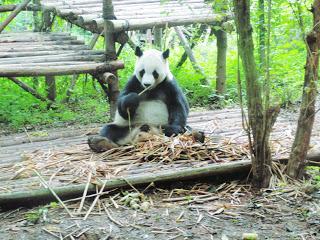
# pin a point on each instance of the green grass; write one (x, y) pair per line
(19, 110)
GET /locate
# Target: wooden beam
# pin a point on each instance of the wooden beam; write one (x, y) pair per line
(14, 200)
(18, 71)
(12, 7)
(16, 11)
(27, 88)
(139, 24)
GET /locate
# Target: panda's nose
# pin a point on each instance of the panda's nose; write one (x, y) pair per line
(147, 85)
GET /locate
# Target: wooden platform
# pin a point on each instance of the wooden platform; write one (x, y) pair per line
(28, 151)
(42, 54)
(131, 14)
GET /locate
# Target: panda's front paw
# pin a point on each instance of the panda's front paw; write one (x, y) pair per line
(172, 130)
(131, 101)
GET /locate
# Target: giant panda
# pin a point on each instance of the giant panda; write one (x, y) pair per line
(150, 100)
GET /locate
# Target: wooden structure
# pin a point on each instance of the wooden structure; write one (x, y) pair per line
(55, 159)
(119, 16)
(107, 17)
(41, 54)
(49, 54)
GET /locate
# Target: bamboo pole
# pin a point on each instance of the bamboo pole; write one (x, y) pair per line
(17, 10)
(29, 198)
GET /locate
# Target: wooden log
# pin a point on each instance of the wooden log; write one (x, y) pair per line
(18, 71)
(27, 88)
(32, 53)
(221, 69)
(16, 11)
(129, 25)
(51, 88)
(158, 38)
(29, 198)
(6, 49)
(12, 7)
(36, 38)
(53, 58)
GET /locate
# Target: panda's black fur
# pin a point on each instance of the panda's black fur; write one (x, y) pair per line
(167, 92)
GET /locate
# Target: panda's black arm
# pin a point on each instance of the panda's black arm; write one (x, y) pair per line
(178, 109)
(129, 98)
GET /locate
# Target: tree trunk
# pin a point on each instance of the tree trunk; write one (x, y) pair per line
(51, 88)
(260, 124)
(262, 36)
(301, 142)
(221, 72)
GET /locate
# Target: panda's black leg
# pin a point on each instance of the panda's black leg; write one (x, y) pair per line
(114, 132)
(109, 136)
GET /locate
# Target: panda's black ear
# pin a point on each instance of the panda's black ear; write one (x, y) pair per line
(165, 54)
(138, 52)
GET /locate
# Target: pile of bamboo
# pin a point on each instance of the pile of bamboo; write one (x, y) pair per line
(156, 154)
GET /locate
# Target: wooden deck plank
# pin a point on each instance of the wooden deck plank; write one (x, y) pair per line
(36, 54)
(215, 123)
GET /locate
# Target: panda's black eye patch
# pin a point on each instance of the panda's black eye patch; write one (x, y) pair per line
(142, 72)
(155, 74)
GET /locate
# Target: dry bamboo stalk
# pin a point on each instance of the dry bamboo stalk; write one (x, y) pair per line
(53, 192)
(85, 192)
(95, 201)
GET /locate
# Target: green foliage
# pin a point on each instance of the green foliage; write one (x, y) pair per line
(18, 109)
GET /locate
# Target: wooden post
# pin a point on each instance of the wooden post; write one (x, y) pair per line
(36, 28)
(51, 88)
(18, 9)
(47, 22)
(221, 71)
(36, 17)
(111, 54)
(158, 37)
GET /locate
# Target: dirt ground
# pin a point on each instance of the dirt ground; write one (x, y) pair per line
(183, 211)
(201, 211)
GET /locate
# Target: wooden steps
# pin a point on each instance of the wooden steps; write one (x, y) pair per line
(43, 54)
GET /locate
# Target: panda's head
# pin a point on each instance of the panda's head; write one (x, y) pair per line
(152, 67)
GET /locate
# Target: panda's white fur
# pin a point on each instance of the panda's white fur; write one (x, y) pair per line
(152, 60)
(161, 106)
(151, 112)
